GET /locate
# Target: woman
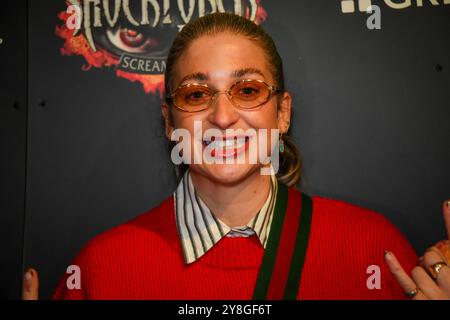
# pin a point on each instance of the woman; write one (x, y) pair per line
(232, 231)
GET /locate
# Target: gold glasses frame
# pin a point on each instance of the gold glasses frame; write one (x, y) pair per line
(272, 91)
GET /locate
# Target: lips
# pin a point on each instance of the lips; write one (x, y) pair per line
(226, 147)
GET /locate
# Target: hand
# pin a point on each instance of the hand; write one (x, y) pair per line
(426, 283)
(30, 285)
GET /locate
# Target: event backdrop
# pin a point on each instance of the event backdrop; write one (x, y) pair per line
(83, 147)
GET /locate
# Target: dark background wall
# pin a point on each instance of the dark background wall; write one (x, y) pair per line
(13, 133)
(83, 151)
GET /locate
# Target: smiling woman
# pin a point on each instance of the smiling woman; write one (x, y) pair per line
(230, 232)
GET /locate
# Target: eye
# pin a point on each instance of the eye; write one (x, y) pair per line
(247, 91)
(130, 40)
(195, 95)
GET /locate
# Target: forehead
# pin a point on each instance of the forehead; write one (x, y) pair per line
(220, 56)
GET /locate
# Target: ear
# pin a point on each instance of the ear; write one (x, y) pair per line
(284, 112)
(165, 110)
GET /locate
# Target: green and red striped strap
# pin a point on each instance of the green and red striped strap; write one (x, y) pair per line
(284, 256)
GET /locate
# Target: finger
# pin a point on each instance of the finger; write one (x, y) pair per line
(444, 247)
(443, 277)
(437, 252)
(426, 284)
(443, 280)
(420, 261)
(402, 277)
(446, 213)
(30, 285)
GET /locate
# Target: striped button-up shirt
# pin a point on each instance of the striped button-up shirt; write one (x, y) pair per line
(199, 230)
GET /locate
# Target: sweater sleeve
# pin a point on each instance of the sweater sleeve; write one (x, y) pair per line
(63, 290)
(379, 234)
(90, 263)
(97, 263)
(353, 240)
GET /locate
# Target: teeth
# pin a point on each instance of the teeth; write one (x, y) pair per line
(228, 143)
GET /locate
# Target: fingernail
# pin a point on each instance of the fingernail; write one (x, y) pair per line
(447, 204)
(27, 281)
(386, 253)
(28, 275)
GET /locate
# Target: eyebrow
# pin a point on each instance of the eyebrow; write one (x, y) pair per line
(246, 71)
(239, 73)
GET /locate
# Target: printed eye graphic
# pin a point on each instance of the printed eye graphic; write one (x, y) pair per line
(130, 40)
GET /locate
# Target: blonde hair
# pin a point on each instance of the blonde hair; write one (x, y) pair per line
(290, 168)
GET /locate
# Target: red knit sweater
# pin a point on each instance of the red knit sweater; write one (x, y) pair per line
(142, 259)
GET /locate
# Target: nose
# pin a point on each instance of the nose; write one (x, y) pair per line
(223, 113)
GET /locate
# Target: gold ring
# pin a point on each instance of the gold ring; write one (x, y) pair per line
(436, 268)
(412, 293)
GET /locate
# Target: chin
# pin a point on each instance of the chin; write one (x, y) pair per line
(226, 173)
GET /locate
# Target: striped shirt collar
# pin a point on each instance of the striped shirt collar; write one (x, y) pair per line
(199, 230)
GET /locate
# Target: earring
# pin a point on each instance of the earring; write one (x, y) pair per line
(281, 143)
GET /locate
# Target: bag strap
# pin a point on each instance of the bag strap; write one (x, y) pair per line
(285, 253)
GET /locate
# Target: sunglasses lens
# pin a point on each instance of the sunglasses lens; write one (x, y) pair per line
(193, 97)
(245, 94)
(250, 94)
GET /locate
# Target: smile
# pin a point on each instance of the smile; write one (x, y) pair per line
(230, 146)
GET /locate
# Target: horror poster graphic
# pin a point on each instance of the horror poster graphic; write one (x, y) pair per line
(132, 37)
